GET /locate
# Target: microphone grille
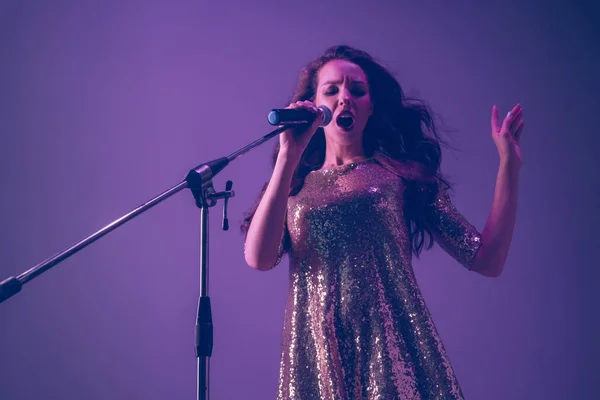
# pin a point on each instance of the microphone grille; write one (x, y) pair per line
(327, 115)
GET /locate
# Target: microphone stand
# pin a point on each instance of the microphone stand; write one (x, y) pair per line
(199, 181)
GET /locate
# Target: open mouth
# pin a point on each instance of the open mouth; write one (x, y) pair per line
(345, 121)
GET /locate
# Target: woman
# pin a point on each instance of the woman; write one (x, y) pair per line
(351, 203)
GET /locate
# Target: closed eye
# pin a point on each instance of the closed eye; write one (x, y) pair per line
(356, 91)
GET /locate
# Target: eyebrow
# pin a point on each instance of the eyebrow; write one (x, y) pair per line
(339, 82)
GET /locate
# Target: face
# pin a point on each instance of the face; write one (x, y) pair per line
(342, 86)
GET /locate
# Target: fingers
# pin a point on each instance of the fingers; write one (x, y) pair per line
(511, 117)
(516, 108)
(514, 123)
(516, 118)
(519, 130)
(307, 105)
(510, 123)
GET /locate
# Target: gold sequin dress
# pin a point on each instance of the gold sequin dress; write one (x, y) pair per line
(356, 325)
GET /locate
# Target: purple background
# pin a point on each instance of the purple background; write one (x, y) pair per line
(105, 104)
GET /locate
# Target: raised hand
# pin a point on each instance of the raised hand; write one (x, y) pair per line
(507, 136)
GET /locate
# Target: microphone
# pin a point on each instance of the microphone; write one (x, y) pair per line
(296, 116)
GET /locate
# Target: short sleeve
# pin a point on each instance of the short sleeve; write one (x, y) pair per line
(283, 243)
(450, 229)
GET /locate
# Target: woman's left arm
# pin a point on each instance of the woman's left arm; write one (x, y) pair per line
(498, 230)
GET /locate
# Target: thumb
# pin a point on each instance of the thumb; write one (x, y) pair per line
(494, 120)
(319, 118)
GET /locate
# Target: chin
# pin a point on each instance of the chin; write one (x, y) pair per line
(344, 135)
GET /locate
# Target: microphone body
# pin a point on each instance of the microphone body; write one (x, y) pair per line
(297, 116)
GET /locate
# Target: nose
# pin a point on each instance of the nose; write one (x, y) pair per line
(344, 98)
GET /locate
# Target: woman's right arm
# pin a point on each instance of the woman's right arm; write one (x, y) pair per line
(265, 232)
(266, 228)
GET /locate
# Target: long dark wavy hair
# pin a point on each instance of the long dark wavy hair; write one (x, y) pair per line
(401, 134)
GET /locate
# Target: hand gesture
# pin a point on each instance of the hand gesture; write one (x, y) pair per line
(508, 135)
(294, 140)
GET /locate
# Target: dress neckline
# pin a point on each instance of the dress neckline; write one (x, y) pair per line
(344, 167)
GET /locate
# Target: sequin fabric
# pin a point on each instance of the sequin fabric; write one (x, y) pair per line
(356, 325)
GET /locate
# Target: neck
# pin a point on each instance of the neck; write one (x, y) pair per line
(340, 154)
